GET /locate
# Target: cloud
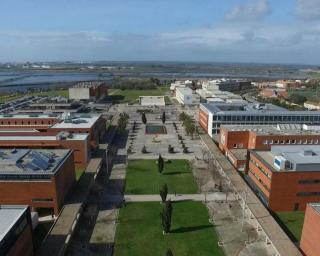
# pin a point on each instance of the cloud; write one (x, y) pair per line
(252, 10)
(308, 9)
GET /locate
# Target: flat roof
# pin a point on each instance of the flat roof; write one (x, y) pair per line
(87, 84)
(77, 121)
(23, 116)
(75, 136)
(9, 215)
(152, 100)
(307, 157)
(315, 206)
(184, 90)
(239, 154)
(31, 162)
(243, 108)
(280, 129)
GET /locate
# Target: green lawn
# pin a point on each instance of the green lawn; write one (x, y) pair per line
(139, 231)
(143, 177)
(132, 96)
(293, 221)
(79, 171)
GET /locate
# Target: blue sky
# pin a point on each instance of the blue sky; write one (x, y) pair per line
(286, 31)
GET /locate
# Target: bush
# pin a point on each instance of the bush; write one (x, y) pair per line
(170, 149)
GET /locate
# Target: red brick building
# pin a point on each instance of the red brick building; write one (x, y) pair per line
(235, 139)
(85, 91)
(93, 125)
(16, 237)
(310, 237)
(79, 143)
(38, 178)
(285, 178)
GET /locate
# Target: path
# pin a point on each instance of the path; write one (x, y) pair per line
(218, 196)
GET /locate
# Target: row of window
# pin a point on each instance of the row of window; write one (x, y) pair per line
(300, 142)
(22, 122)
(260, 169)
(309, 181)
(308, 194)
(268, 118)
(258, 179)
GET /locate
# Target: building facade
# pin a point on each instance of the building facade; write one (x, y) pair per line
(310, 237)
(16, 231)
(39, 178)
(186, 96)
(219, 114)
(234, 140)
(285, 178)
(87, 91)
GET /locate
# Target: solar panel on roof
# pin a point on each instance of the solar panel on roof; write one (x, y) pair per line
(32, 166)
(40, 164)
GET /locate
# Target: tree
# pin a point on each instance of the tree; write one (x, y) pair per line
(160, 164)
(164, 192)
(122, 121)
(169, 252)
(144, 118)
(170, 149)
(163, 118)
(165, 216)
(144, 150)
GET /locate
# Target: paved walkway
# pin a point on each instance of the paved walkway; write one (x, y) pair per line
(261, 215)
(218, 196)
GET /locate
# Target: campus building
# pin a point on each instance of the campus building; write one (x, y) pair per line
(91, 124)
(213, 115)
(77, 142)
(226, 84)
(16, 236)
(286, 178)
(152, 101)
(186, 96)
(40, 178)
(87, 91)
(310, 237)
(234, 140)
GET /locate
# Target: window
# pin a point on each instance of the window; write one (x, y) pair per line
(276, 142)
(234, 145)
(287, 141)
(282, 141)
(309, 181)
(293, 141)
(265, 142)
(308, 194)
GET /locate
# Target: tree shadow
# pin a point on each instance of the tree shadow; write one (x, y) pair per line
(190, 229)
(174, 173)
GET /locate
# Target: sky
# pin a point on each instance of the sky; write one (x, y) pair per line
(261, 31)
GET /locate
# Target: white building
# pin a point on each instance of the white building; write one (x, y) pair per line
(312, 105)
(152, 101)
(186, 96)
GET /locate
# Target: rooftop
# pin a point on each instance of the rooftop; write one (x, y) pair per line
(291, 158)
(31, 162)
(280, 129)
(152, 100)
(22, 116)
(77, 121)
(60, 136)
(315, 206)
(242, 108)
(184, 90)
(9, 215)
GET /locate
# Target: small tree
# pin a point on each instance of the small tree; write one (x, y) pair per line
(163, 118)
(170, 149)
(166, 217)
(160, 164)
(144, 150)
(144, 118)
(164, 192)
(169, 252)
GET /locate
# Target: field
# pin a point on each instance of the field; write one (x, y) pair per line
(143, 177)
(132, 96)
(139, 231)
(293, 221)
